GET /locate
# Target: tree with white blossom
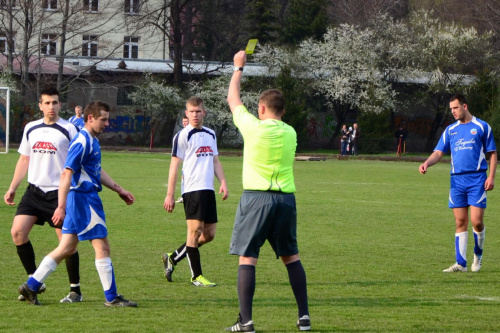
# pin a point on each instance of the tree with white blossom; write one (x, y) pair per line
(445, 59)
(356, 68)
(351, 67)
(219, 117)
(160, 102)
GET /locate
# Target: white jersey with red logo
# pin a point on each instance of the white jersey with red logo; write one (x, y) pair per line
(47, 148)
(197, 148)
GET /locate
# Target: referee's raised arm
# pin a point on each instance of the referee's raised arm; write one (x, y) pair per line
(233, 95)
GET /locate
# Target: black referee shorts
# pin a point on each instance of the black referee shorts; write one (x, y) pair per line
(36, 202)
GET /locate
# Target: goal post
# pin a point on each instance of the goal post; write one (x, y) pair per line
(4, 119)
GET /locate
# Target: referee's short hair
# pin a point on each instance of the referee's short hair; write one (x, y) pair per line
(274, 100)
(94, 109)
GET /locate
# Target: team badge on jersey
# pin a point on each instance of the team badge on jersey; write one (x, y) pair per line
(473, 131)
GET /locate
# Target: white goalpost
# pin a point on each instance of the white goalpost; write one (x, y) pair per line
(4, 119)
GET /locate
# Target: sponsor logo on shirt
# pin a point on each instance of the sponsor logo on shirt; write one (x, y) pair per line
(204, 151)
(473, 131)
(462, 144)
(44, 148)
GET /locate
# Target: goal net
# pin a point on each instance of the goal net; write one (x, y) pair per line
(4, 119)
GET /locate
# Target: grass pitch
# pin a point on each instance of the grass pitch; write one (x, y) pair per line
(373, 237)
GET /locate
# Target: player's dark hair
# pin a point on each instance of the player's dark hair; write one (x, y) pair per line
(94, 109)
(195, 101)
(49, 91)
(274, 100)
(461, 99)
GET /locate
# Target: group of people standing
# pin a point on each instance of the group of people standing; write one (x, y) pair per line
(65, 176)
(63, 165)
(349, 140)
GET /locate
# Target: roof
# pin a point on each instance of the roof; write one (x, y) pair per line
(45, 65)
(79, 64)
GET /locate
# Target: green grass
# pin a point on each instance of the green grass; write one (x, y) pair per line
(373, 237)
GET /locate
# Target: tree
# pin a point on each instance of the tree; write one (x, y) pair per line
(262, 20)
(303, 19)
(219, 117)
(219, 32)
(445, 57)
(76, 20)
(361, 12)
(161, 102)
(174, 18)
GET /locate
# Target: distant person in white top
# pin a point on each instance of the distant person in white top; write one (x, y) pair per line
(470, 141)
(77, 119)
(43, 151)
(195, 147)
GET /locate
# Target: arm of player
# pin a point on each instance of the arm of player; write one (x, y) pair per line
(107, 181)
(490, 181)
(169, 203)
(233, 94)
(19, 174)
(62, 195)
(431, 160)
(219, 173)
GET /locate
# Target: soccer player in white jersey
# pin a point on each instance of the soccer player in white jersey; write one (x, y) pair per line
(43, 150)
(80, 209)
(470, 141)
(77, 119)
(195, 147)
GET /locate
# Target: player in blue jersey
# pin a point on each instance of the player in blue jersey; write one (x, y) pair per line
(43, 151)
(80, 209)
(470, 141)
(77, 119)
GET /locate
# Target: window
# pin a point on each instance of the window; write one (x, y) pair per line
(89, 47)
(4, 46)
(4, 43)
(91, 5)
(131, 47)
(49, 4)
(122, 97)
(132, 6)
(5, 3)
(49, 44)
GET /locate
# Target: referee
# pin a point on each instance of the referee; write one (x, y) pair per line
(267, 208)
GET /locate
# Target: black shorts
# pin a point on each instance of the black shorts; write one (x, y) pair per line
(36, 202)
(261, 216)
(201, 206)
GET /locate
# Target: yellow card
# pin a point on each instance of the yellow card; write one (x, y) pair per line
(251, 46)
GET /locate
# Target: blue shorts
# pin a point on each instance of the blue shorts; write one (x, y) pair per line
(467, 190)
(84, 216)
